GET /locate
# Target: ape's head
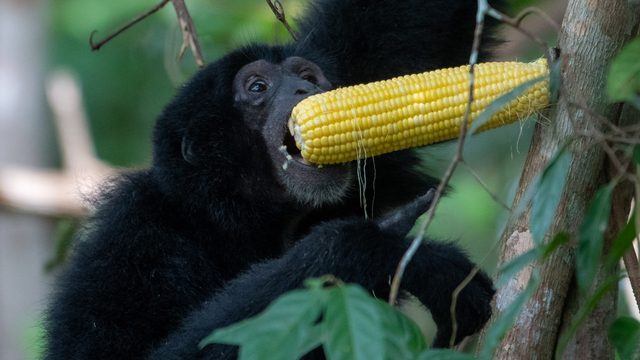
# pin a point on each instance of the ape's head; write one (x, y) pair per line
(226, 131)
(226, 134)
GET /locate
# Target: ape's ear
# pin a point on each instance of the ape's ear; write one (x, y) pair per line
(187, 151)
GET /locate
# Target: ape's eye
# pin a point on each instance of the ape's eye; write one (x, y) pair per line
(258, 86)
(308, 76)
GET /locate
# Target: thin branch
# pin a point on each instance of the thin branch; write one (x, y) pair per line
(495, 198)
(278, 11)
(125, 27)
(534, 10)
(630, 257)
(189, 34)
(515, 23)
(408, 255)
(454, 303)
(633, 270)
(602, 119)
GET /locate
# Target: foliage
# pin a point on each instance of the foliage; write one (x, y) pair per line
(624, 77)
(344, 319)
(624, 333)
(591, 233)
(348, 323)
(548, 193)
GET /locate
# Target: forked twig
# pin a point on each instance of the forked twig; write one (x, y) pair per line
(515, 22)
(189, 34)
(278, 11)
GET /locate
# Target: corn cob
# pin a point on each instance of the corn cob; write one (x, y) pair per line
(368, 120)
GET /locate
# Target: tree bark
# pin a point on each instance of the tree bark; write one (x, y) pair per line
(593, 32)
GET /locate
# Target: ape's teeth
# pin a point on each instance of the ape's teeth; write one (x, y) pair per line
(294, 130)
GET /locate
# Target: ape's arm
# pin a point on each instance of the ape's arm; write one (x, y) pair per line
(356, 251)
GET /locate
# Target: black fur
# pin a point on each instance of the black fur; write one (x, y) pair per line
(210, 234)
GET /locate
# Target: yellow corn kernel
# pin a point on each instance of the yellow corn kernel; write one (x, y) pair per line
(368, 120)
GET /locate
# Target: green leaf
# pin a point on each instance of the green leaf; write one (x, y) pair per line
(504, 322)
(636, 154)
(635, 101)
(561, 238)
(590, 238)
(353, 325)
(622, 242)
(554, 81)
(547, 197)
(501, 102)
(313, 339)
(284, 330)
(526, 198)
(65, 234)
(510, 269)
(624, 334)
(444, 354)
(623, 82)
(403, 339)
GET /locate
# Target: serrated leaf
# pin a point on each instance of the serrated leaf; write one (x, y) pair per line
(283, 330)
(504, 322)
(623, 82)
(500, 103)
(624, 334)
(353, 325)
(547, 197)
(623, 241)
(590, 237)
(444, 354)
(402, 337)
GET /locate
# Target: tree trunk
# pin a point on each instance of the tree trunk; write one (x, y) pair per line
(593, 32)
(25, 239)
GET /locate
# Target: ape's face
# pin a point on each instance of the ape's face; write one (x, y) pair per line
(266, 93)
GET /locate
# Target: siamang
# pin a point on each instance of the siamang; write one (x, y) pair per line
(225, 220)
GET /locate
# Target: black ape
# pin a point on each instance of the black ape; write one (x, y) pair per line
(218, 226)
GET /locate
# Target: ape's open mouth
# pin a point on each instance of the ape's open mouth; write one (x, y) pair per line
(291, 148)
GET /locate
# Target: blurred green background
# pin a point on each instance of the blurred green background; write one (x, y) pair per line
(127, 82)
